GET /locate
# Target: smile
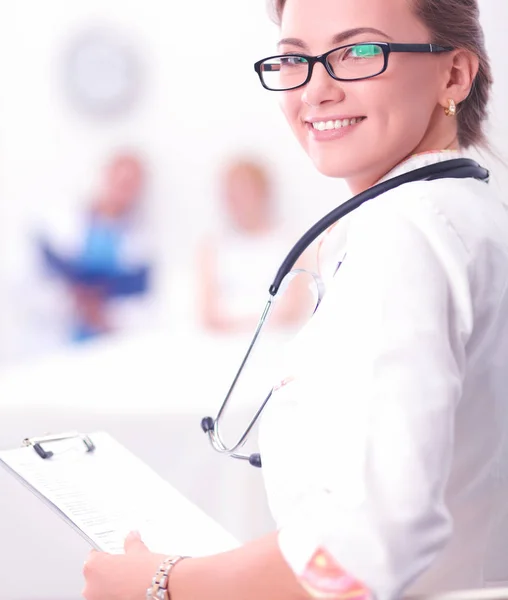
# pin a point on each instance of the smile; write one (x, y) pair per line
(339, 124)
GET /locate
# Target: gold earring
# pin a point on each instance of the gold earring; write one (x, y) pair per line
(451, 109)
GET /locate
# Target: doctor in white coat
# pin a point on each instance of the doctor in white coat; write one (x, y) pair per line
(384, 447)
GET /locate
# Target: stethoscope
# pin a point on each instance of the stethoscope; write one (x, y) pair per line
(459, 168)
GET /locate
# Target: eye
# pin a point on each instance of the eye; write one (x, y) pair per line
(292, 61)
(363, 51)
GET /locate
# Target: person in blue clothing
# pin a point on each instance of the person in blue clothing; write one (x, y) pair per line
(100, 269)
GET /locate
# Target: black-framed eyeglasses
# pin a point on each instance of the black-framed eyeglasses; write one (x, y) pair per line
(353, 62)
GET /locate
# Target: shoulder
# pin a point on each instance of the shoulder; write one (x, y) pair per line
(404, 256)
(451, 214)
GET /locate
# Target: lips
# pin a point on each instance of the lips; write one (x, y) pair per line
(329, 131)
(336, 123)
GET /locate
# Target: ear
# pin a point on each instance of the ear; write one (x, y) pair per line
(461, 73)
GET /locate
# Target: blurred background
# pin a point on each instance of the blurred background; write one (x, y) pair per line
(149, 189)
(86, 82)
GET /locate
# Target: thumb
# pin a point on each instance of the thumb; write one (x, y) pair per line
(134, 543)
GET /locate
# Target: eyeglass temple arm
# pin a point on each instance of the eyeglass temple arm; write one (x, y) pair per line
(267, 67)
(419, 48)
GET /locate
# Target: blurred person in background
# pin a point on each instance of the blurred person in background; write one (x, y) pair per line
(235, 265)
(104, 263)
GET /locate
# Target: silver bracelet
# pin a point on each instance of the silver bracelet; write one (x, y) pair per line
(159, 590)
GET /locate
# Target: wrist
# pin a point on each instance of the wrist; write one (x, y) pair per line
(159, 588)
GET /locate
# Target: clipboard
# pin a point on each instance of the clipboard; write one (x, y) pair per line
(103, 491)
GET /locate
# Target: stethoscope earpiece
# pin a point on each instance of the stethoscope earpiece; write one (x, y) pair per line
(207, 424)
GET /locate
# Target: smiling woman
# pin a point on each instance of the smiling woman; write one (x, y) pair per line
(387, 103)
(455, 23)
(384, 442)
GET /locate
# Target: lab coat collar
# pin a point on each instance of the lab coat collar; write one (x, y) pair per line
(416, 161)
(332, 246)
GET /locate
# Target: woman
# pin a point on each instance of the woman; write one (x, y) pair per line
(390, 477)
(235, 266)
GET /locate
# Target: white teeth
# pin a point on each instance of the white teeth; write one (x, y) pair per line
(328, 125)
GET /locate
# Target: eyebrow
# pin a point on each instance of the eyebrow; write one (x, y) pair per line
(336, 39)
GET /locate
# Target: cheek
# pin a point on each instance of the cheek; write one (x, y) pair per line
(290, 103)
(412, 89)
(402, 104)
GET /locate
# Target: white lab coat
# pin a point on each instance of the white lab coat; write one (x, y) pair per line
(387, 443)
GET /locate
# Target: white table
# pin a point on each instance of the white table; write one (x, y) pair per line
(150, 393)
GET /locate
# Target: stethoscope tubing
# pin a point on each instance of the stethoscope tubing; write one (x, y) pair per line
(458, 168)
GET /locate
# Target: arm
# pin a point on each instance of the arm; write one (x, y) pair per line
(289, 310)
(378, 411)
(253, 572)
(212, 314)
(385, 381)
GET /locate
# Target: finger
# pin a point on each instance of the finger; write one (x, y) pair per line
(134, 543)
(87, 565)
(91, 560)
(90, 557)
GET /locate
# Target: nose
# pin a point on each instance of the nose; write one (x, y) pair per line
(322, 88)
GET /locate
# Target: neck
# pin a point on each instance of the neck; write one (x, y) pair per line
(364, 181)
(253, 226)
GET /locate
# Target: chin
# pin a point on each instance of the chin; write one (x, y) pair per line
(359, 170)
(334, 166)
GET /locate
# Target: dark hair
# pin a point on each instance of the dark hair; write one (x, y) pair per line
(454, 23)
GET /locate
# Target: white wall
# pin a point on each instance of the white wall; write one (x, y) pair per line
(494, 14)
(186, 121)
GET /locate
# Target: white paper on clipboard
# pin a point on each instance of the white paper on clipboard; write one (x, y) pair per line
(106, 493)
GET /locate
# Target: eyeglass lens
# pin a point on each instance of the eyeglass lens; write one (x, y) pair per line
(352, 62)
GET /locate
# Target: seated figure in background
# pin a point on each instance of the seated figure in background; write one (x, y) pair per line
(100, 268)
(237, 264)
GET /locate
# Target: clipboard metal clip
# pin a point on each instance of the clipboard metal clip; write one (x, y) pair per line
(37, 442)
